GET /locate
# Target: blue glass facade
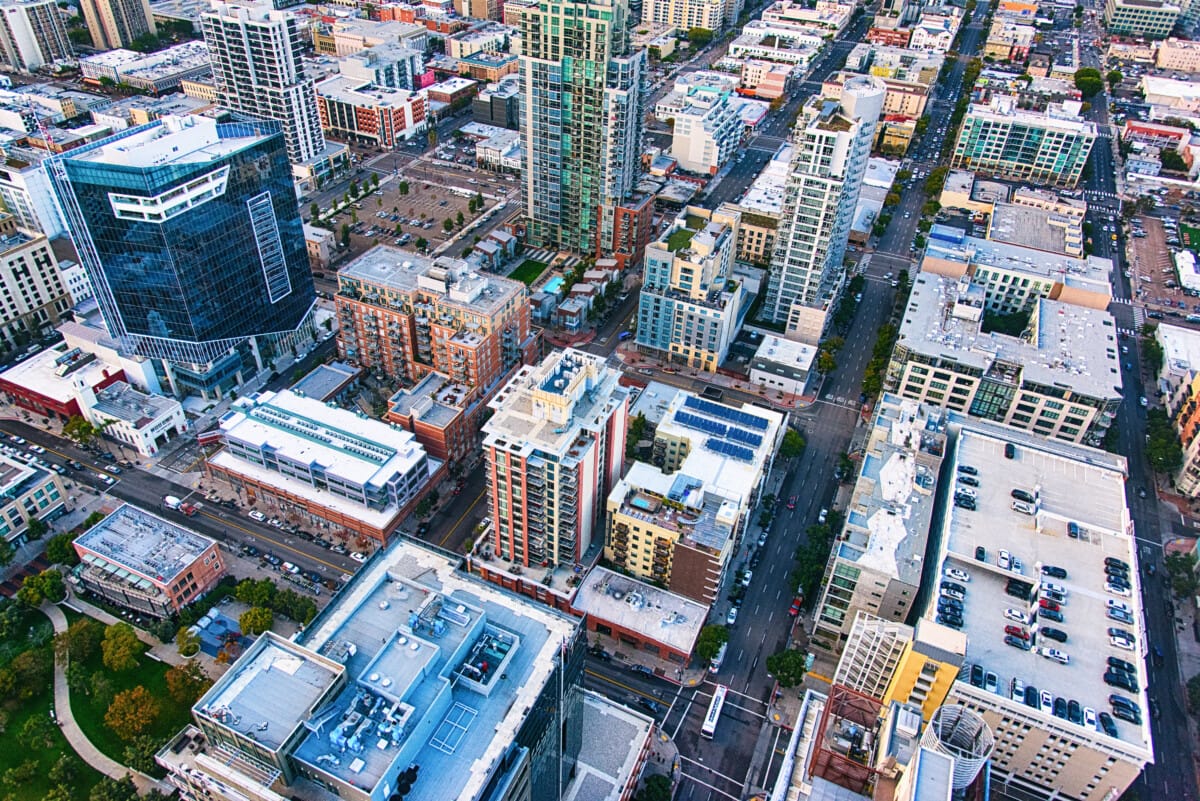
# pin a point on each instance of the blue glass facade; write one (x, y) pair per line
(190, 254)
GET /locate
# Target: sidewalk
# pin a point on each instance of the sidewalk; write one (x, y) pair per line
(70, 728)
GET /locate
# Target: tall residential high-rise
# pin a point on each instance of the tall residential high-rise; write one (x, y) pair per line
(554, 447)
(117, 23)
(583, 89)
(190, 234)
(255, 50)
(831, 143)
(32, 34)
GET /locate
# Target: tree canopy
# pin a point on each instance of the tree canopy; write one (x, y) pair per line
(1088, 81)
(121, 647)
(787, 667)
(710, 641)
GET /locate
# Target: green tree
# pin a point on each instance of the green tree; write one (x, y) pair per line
(787, 667)
(45, 586)
(314, 212)
(81, 641)
(101, 688)
(710, 641)
(7, 553)
(699, 36)
(421, 243)
(374, 180)
(37, 734)
(635, 433)
(1152, 354)
(459, 219)
(114, 790)
(1114, 78)
(1172, 161)
(922, 125)
(432, 136)
(260, 592)
(345, 235)
(1181, 568)
(79, 429)
(354, 188)
(930, 208)
(936, 180)
(792, 445)
(65, 769)
(187, 641)
(655, 787)
(60, 550)
(1193, 694)
(892, 199)
(447, 225)
(826, 362)
(256, 620)
(402, 188)
(139, 753)
(1162, 443)
(132, 713)
(1088, 81)
(121, 647)
(31, 671)
(21, 774)
(37, 528)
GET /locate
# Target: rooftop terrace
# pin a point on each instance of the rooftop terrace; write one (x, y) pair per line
(385, 269)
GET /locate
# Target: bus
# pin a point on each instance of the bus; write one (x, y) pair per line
(714, 712)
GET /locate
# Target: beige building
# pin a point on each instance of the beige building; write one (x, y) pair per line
(1059, 379)
(759, 210)
(1178, 55)
(32, 292)
(115, 24)
(902, 99)
(1153, 19)
(677, 521)
(878, 560)
(27, 491)
(712, 15)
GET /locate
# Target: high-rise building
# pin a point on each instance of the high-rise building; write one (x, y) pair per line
(34, 292)
(581, 117)
(832, 143)
(690, 303)
(117, 23)
(555, 447)
(1049, 146)
(1153, 19)
(190, 234)
(32, 34)
(255, 51)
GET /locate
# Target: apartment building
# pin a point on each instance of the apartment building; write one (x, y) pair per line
(711, 15)
(367, 114)
(389, 65)
(1044, 750)
(707, 130)
(831, 141)
(409, 315)
(678, 520)
(1060, 379)
(138, 560)
(25, 191)
(904, 99)
(27, 491)
(1179, 384)
(322, 463)
(32, 35)
(1049, 147)
(1153, 19)
(878, 560)
(765, 79)
(1178, 55)
(555, 446)
(898, 63)
(760, 208)
(113, 24)
(690, 303)
(33, 294)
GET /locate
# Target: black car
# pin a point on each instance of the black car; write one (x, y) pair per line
(963, 502)
(970, 471)
(1010, 451)
(1131, 714)
(1111, 561)
(1057, 635)
(1054, 571)
(980, 553)
(1157, 655)
(956, 587)
(976, 675)
(1016, 642)
(969, 481)
(1108, 724)
(1075, 712)
(1060, 708)
(949, 603)
(1116, 570)
(1115, 678)
(950, 619)
(1032, 698)
(1022, 495)
(1051, 614)
(1121, 664)
(1116, 699)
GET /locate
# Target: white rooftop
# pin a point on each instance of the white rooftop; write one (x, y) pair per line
(174, 140)
(786, 351)
(1181, 348)
(43, 373)
(640, 607)
(765, 195)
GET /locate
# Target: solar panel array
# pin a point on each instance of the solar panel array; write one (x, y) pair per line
(745, 437)
(725, 413)
(701, 424)
(729, 449)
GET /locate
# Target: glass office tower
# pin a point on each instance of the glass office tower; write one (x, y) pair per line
(190, 234)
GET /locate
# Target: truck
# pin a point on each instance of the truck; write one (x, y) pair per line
(175, 504)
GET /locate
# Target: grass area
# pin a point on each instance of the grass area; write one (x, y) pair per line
(151, 674)
(1190, 237)
(14, 750)
(528, 271)
(679, 239)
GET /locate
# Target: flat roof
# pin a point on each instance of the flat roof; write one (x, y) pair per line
(359, 92)
(270, 691)
(356, 449)
(435, 400)
(326, 380)
(452, 280)
(887, 521)
(881, 172)
(135, 540)
(1072, 484)
(121, 401)
(1031, 227)
(1092, 273)
(170, 139)
(785, 351)
(1003, 109)
(40, 373)
(634, 605)
(443, 669)
(170, 61)
(1181, 348)
(1073, 346)
(765, 195)
(654, 401)
(608, 762)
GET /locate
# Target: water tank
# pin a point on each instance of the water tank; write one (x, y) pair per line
(960, 733)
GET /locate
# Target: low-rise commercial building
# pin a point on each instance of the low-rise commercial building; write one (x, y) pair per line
(760, 209)
(138, 560)
(639, 615)
(1060, 379)
(765, 79)
(1048, 147)
(149, 72)
(27, 491)
(361, 475)
(678, 520)
(782, 365)
(1178, 55)
(878, 559)
(1153, 19)
(144, 422)
(50, 383)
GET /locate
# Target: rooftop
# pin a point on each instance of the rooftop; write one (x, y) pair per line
(52, 373)
(1035, 228)
(355, 449)
(1071, 346)
(386, 269)
(169, 140)
(134, 540)
(442, 671)
(785, 351)
(325, 381)
(765, 195)
(14, 475)
(357, 92)
(887, 522)
(1072, 484)
(1091, 274)
(1004, 109)
(170, 61)
(435, 400)
(640, 607)
(607, 763)
(121, 401)
(653, 402)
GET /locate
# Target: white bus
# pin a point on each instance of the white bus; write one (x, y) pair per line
(714, 712)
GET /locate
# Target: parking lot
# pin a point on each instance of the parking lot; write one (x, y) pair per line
(1152, 271)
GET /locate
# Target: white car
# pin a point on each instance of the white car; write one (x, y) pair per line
(1056, 655)
(256, 515)
(731, 618)
(1050, 585)
(40, 449)
(1004, 560)
(956, 574)
(358, 557)
(966, 492)
(1120, 642)
(1089, 717)
(1113, 603)
(1016, 615)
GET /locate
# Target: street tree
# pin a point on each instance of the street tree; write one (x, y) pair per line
(792, 445)
(60, 550)
(710, 641)
(788, 667)
(79, 429)
(36, 529)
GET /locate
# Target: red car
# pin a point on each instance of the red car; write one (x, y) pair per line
(1046, 603)
(795, 610)
(1016, 631)
(791, 502)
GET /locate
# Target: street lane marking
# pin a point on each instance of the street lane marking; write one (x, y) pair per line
(282, 545)
(729, 779)
(460, 519)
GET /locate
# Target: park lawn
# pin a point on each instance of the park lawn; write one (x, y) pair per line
(528, 271)
(1190, 237)
(13, 752)
(151, 674)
